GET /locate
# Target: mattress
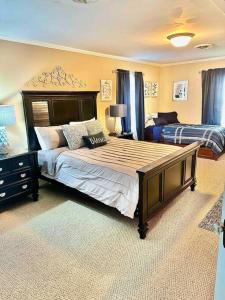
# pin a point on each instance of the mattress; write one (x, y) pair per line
(107, 173)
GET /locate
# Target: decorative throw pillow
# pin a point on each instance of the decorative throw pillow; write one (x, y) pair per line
(94, 127)
(82, 122)
(160, 121)
(170, 117)
(95, 140)
(50, 137)
(74, 134)
(149, 123)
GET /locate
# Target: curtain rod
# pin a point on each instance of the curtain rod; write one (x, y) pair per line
(115, 71)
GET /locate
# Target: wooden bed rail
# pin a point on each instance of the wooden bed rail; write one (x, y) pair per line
(163, 180)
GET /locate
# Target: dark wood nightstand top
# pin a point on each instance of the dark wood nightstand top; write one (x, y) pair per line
(15, 153)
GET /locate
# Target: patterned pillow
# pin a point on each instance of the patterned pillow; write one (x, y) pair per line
(94, 127)
(50, 137)
(94, 141)
(74, 134)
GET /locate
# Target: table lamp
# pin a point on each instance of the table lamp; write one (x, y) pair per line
(117, 111)
(7, 117)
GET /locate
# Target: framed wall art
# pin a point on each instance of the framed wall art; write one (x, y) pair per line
(180, 90)
(147, 89)
(106, 90)
(154, 89)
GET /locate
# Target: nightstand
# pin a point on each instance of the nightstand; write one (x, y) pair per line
(18, 176)
(127, 136)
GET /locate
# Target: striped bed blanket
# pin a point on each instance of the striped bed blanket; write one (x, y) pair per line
(213, 136)
(107, 173)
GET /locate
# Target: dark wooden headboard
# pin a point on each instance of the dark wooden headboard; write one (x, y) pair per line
(47, 108)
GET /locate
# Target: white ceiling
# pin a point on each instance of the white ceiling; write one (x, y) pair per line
(135, 29)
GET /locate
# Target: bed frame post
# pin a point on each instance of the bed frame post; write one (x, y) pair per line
(142, 224)
(163, 180)
(193, 171)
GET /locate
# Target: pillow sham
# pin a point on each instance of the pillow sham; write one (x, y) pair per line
(50, 137)
(74, 134)
(94, 127)
(160, 121)
(149, 123)
(170, 117)
(81, 122)
(95, 140)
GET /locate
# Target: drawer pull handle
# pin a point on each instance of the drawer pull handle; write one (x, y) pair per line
(21, 164)
(1, 182)
(24, 187)
(23, 175)
(1, 169)
(2, 195)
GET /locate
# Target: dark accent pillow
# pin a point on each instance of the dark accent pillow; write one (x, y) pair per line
(170, 117)
(95, 140)
(160, 121)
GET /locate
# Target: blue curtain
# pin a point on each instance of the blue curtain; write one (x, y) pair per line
(213, 89)
(139, 105)
(123, 97)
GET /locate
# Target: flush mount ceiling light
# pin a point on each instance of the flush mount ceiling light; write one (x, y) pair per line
(180, 39)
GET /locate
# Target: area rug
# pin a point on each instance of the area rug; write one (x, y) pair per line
(213, 216)
(75, 252)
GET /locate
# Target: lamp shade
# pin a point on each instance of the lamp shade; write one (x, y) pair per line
(118, 110)
(7, 115)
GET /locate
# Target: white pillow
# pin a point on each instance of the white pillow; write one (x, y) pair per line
(81, 122)
(74, 135)
(149, 123)
(50, 137)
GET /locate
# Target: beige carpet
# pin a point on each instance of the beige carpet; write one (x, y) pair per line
(67, 248)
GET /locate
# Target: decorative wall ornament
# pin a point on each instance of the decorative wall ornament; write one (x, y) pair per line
(147, 89)
(180, 90)
(106, 90)
(57, 78)
(154, 89)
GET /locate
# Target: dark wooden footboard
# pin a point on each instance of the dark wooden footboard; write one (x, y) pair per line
(163, 180)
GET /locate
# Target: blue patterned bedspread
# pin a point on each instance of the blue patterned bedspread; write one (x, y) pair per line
(213, 136)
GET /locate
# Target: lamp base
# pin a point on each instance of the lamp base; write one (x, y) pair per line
(4, 143)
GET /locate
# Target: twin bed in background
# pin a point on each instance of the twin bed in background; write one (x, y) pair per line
(167, 129)
(135, 177)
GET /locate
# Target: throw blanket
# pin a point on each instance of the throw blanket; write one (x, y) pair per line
(213, 136)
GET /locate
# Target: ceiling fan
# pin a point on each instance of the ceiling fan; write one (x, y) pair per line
(84, 1)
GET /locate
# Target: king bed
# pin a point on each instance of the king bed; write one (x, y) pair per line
(137, 178)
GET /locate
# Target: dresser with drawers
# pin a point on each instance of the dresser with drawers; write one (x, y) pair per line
(18, 176)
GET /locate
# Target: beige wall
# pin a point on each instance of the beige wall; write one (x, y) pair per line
(188, 111)
(20, 62)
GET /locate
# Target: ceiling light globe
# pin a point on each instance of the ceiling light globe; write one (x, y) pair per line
(180, 39)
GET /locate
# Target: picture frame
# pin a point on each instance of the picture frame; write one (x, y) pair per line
(180, 90)
(154, 89)
(106, 90)
(147, 89)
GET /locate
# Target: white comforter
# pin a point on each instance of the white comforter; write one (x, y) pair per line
(107, 173)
